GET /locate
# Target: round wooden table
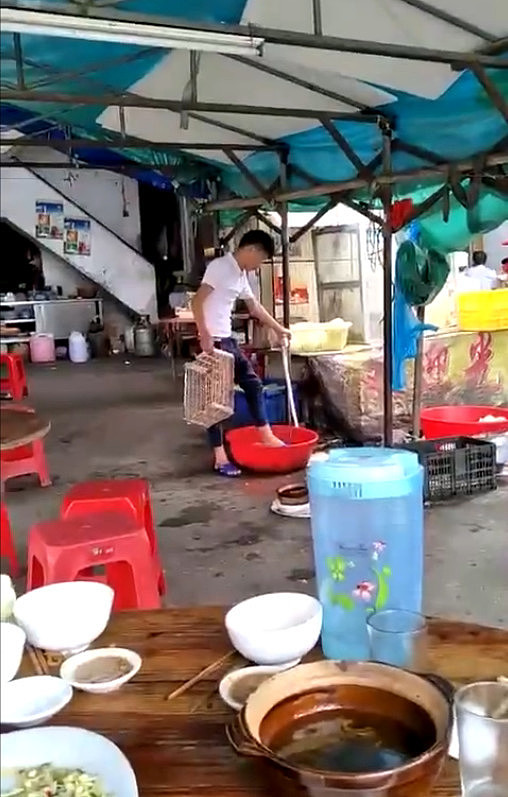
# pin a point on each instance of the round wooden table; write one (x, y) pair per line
(174, 735)
(20, 426)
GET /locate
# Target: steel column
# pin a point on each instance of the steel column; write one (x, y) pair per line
(18, 57)
(387, 294)
(284, 229)
(494, 94)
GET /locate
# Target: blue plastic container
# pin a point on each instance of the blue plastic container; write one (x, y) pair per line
(367, 527)
(275, 392)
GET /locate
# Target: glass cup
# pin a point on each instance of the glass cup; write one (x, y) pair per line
(481, 710)
(399, 638)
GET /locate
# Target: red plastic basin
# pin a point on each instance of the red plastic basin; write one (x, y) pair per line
(457, 421)
(249, 453)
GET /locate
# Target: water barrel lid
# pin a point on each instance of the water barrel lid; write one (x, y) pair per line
(369, 464)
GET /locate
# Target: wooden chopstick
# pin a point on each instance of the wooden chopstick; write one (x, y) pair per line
(200, 675)
(38, 661)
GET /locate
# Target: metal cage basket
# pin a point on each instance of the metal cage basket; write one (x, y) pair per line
(209, 388)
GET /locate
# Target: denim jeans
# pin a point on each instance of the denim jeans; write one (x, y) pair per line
(250, 384)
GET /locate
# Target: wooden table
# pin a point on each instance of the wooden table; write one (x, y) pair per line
(20, 426)
(178, 747)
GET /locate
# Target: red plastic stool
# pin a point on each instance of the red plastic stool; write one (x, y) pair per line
(128, 496)
(14, 384)
(24, 460)
(6, 543)
(61, 550)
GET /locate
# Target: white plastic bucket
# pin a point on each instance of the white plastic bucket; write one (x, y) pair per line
(78, 348)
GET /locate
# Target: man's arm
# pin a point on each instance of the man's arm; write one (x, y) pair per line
(257, 310)
(197, 308)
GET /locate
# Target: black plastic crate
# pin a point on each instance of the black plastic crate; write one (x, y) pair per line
(455, 466)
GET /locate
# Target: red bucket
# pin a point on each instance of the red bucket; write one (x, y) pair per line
(462, 421)
(248, 452)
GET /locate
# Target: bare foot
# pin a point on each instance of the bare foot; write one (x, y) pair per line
(269, 439)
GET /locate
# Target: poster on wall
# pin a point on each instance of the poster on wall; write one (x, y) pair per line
(49, 220)
(77, 239)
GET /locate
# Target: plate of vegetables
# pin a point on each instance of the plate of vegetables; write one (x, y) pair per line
(63, 762)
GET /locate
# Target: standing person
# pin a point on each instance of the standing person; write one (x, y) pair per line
(224, 282)
(481, 277)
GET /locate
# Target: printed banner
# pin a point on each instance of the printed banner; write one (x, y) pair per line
(78, 235)
(49, 220)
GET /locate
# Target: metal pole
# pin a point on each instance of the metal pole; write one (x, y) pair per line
(317, 17)
(418, 378)
(387, 293)
(283, 211)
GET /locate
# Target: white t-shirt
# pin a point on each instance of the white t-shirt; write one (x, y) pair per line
(480, 278)
(229, 283)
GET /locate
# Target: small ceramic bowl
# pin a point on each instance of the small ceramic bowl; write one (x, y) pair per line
(68, 670)
(237, 686)
(31, 701)
(275, 629)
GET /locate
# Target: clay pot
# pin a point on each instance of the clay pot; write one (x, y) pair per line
(293, 495)
(312, 689)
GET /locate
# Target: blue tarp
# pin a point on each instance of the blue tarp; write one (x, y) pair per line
(461, 123)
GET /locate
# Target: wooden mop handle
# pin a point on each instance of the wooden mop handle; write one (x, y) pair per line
(289, 386)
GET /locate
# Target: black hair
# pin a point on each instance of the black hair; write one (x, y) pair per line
(258, 238)
(479, 258)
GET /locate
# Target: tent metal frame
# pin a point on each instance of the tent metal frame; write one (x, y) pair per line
(491, 164)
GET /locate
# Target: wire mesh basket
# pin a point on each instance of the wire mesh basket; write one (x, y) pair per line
(209, 388)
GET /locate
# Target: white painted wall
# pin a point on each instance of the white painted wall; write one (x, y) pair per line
(493, 245)
(105, 195)
(114, 266)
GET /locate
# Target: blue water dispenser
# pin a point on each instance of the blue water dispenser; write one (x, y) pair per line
(367, 528)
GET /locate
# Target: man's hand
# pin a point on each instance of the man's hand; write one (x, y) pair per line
(206, 342)
(283, 335)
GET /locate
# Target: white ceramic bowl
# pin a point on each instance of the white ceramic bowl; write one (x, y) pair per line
(68, 669)
(31, 701)
(231, 681)
(275, 629)
(12, 643)
(69, 748)
(65, 617)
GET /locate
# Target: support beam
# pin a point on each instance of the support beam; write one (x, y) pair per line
(177, 106)
(249, 176)
(451, 19)
(387, 296)
(360, 207)
(419, 152)
(261, 66)
(284, 217)
(278, 36)
(346, 148)
(268, 222)
(128, 143)
(325, 189)
(496, 97)
(495, 48)
(317, 17)
(330, 205)
(18, 57)
(244, 218)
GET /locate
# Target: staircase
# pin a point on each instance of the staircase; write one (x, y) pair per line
(113, 264)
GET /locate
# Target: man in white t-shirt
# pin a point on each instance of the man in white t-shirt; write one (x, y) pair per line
(224, 282)
(478, 276)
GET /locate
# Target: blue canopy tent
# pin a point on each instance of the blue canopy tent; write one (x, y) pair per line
(359, 102)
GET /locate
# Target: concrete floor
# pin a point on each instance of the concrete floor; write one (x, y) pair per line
(219, 542)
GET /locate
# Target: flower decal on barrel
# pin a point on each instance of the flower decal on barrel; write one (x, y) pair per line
(371, 593)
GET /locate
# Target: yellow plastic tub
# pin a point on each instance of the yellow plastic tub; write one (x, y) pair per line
(307, 338)
(483, 311)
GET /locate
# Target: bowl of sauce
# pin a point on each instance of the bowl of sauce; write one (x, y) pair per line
(102, 670)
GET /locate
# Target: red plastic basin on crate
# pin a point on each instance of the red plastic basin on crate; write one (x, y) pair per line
(457, 421)
(249, 453)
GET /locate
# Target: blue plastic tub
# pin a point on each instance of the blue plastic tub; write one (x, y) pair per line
(275, 393)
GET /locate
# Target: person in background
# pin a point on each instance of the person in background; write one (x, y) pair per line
(224, 282)
(478, 276)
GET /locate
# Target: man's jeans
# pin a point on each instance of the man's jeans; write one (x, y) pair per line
(250, 384)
